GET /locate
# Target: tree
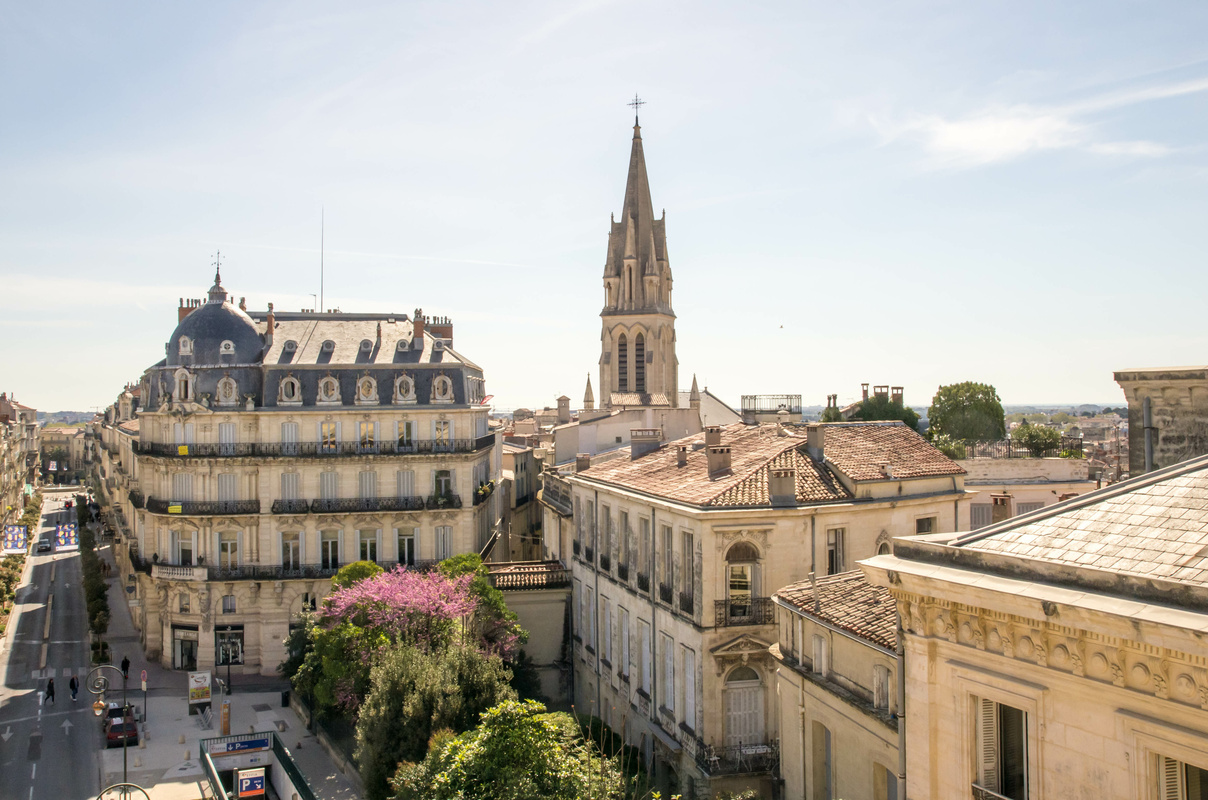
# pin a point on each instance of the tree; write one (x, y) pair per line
(355, 572)
(518, 752)
(967, 412)
(1036, 439)
(831, 414)
(414, 694)
(882, 408)
(494, 621)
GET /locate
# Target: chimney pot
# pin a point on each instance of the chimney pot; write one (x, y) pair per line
(815, 442)
(782, 487)
(719, 461)
(582, 462)
(712, 435)
(681, 455)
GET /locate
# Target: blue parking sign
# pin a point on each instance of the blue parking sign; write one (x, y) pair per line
(250, 782)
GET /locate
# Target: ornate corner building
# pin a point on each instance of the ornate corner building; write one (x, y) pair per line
(268, 449)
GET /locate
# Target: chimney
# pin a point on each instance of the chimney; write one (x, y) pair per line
(815, 442)
(417, 324)
(582, 462)
(864, 386)
(719, 461)
(643, 441)
(442, 328)
(782, 487)
(712, 435)
(1000, 509)
(270, 322)
(563, 410)
(881, 392)
(681, 456)
(187, 307)
(895, 394)
(243, 304)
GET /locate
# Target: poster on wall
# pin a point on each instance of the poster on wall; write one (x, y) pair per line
(67, 537)
(15, 539)
(54, 466)
(199, 687)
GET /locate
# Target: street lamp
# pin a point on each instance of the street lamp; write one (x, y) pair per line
(227, 648)
(98, 683)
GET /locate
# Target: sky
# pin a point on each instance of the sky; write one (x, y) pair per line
(906, 193)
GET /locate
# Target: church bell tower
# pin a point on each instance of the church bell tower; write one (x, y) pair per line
(638, 367)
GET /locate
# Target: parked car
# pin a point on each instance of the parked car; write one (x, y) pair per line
(119, 729)
(44, 545)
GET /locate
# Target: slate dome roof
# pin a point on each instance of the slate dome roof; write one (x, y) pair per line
(208, 327)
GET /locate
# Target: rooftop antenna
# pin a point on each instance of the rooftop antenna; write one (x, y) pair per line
(636, 103)
(322, 232)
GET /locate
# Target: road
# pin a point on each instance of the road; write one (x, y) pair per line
(48, 751)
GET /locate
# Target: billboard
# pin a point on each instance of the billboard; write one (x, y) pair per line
(15, 539)
(67, 537)
(199, 687)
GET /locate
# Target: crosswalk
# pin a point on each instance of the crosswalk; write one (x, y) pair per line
(61, 672)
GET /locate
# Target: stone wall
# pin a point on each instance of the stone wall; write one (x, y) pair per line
(1179, 406)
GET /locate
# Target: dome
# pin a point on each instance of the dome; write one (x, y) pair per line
(207, 328)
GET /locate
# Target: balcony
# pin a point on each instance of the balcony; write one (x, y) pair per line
(345, 505)
(687, 603)
(528, 575)
(1068, 447)
(982, 793)
(290, 506)
(312, 449)
(556, 493)
(749, 611)
(741, 759)
(136, 498)
(204, 508)
(168, 572)
(576, 547)
(269, 572)
(483, 492)
(605, 562)
(643, 582)
(623, 571)
(589, 555)
(444, 501)
(665, 593)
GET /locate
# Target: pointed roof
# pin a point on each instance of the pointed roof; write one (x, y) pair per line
(695, 393)
(588, 396)
(637, 233)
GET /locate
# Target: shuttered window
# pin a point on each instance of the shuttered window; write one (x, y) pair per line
(289, 486)
(406, 483)
(367, 484)
(690, 688)
(1179, 781)
(329, 485)
(182, 487)
(980, 515)
(1001, 748)
(228, 491)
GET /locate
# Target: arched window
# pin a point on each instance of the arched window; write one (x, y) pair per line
(744, 708)
(329, 390)
(291, 390)
(228, 391)
(884, 549)
(404, 389)
(639, 363)
(367, 390)
(622, 364)
(186, 346)
(184, 386)
(742, 581)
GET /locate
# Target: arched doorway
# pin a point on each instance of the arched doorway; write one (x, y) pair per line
(744, 707)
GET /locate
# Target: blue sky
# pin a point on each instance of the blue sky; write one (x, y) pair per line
(909, 193)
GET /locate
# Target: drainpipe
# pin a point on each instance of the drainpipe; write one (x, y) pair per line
(595, 620)
(813, 542)
(654, 673)
(1147, 421)
(956, 516)
(901, 714)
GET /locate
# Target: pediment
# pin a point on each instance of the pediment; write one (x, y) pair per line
(288, 523)
(745, 644)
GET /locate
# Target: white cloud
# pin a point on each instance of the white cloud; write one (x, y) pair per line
(1000, 134)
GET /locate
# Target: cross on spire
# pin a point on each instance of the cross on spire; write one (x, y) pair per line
(636, 104)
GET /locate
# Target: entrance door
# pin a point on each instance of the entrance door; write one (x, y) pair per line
(744, 708)
(186, 655)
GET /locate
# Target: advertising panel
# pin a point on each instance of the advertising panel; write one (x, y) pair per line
(67, 537)
(15, 539)
(199, 687)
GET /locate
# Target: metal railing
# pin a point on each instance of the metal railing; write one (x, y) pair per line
(313, 449)
(136, 498)
(344, 505)
(771, 403)
(556, 492)
(605, 562)
(740, 759)
(643, 582)
(687, 603)
(665, 593)
(203, 508)
(751, 611)
(1006, 448)
(290, 506)
(982, 793)
(623, 571)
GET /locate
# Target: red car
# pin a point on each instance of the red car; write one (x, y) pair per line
(118, 729)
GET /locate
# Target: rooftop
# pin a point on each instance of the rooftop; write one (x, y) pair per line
(860, 451)
(848, 602)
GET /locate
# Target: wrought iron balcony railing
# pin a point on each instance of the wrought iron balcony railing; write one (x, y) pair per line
(312, 449)
(290, 506)
(747, 611)
(741, 759)
(605, 562)
(202, 508)
(346, 505)
(687, 603)
(623, 571)
(665, 593)
(643, 582)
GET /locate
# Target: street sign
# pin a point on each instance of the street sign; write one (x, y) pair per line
(246, 746)
(143, 676)
(250, 782)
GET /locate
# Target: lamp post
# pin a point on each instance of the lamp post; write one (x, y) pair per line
(227, 648)
(98, 683)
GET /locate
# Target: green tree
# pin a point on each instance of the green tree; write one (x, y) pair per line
(1036, 439)
(518, 752)
(882, 408)
(496, 622)
(967, 412)
(355, 572)
(831, 414)
(334, 672)
(413, 695)
(298, 644)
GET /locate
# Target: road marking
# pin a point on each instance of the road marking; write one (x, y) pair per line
(33, 773)
(42, 658)
(8, 734)
(66, 726)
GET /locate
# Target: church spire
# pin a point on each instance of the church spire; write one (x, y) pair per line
(589, 399)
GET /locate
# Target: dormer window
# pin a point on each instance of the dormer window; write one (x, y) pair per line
(329, 390)
(442, 389)
(366, 390)
(289, 346)
(366, 345)
(329, 346)
(227, 348)
(186, 346)
(290, 391)
(404, 344)
(183, 390)
(228, 391)
(404, 389)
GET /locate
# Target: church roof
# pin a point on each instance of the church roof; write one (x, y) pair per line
(637, 229)
(619, 399)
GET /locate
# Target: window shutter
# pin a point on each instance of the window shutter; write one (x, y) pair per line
(987, 742)
(1170, 779)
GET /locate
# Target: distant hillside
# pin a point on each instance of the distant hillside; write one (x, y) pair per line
(63, 417)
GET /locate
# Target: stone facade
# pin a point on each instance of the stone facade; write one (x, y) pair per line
(1178, 399)
(1023, 485)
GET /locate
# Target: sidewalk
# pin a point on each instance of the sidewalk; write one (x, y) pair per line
(165, 762)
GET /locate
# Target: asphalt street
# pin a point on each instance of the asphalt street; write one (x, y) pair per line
(48, 751)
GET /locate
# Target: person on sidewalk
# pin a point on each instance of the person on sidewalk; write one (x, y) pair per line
(74, 685)
(125, 666)
(50, 691)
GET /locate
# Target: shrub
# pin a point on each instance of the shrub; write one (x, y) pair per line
(1036, 439)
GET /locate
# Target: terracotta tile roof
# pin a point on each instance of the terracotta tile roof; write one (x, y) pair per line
(1153, 527)
(859, 450)
(848, 602)
(130, 426)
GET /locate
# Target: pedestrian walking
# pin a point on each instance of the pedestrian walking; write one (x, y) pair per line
(50, 691)
(74, 685)
(125, 667)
